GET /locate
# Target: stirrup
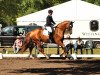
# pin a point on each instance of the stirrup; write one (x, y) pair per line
(50, 41)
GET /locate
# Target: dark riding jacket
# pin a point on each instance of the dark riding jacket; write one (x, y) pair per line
(49, 21)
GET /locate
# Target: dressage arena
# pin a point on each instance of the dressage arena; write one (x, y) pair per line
(54, 66)
(24, 66)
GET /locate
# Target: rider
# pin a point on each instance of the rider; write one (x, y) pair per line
(50, 23)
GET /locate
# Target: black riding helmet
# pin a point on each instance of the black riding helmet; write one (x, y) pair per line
(50, 11)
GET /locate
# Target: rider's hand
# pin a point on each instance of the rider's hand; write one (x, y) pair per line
(54, 25)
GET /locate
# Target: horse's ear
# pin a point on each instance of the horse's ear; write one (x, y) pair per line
(71, 23)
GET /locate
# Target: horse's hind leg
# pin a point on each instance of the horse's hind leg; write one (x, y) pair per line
(41, 50)
(30, 50)
(24, 47)
(25, 44)
(31, 46)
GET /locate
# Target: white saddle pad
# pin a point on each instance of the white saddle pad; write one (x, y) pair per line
(45, 32)
(49, 29)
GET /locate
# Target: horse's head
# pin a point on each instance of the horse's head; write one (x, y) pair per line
(66, 25)
(69, 26)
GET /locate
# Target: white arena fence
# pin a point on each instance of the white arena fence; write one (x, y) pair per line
(73, 56)
(12, 55)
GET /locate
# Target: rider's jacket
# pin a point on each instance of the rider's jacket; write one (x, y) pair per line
(49, 21)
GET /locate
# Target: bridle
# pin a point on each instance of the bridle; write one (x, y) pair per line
(71, 26)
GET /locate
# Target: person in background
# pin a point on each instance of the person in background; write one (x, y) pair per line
(4, 51)
(67, 42)
(16, 31)
(50, 23)
(78, 45)
(17, 44)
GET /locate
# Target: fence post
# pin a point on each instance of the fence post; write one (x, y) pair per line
(58, 49)
(1, 56)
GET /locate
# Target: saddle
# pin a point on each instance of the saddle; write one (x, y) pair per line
(49, 31)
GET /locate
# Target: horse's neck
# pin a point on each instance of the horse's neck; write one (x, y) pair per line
(61, 28)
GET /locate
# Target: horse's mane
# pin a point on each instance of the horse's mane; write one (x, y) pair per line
(61, 24)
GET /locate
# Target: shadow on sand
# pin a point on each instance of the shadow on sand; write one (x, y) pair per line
(83, 68)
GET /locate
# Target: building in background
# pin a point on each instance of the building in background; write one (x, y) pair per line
(85, 15)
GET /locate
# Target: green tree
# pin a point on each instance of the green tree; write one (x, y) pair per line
(8, 11)
(11, 9)
(97, 2)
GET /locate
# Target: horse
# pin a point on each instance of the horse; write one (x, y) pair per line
(35, 37)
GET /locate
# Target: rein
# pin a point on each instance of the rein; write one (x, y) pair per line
(58, 27)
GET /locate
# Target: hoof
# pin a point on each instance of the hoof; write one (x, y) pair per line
(66, 56)
(31, 57)
(61, 55)
(47, 58)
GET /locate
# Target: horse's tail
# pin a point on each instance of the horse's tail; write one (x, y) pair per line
(26, 43)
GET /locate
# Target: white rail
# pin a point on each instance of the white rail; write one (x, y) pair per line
(12, 55)
(74, 56)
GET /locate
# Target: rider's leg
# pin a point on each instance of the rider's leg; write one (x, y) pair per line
(51, 34)
(50, 37)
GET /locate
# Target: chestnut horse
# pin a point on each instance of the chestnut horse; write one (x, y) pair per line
(36, 37)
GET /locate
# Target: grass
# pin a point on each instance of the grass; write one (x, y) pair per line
(54, 51)
(51, 51)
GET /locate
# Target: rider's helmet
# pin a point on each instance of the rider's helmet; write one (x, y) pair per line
(50, 11)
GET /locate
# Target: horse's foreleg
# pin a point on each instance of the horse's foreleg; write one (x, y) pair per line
(41, 50)
(64, 52)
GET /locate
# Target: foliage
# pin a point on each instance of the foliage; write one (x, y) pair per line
(11, 9)
(8, 11)
(97, 2)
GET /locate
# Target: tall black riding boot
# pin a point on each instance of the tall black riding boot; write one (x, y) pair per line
(50, 37)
